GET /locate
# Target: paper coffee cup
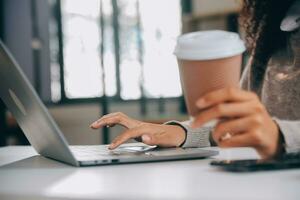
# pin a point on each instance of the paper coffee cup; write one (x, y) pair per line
(208, 60)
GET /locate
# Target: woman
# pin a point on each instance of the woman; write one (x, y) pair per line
(264, 114)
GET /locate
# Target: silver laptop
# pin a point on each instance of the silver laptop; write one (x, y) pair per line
(48, 140)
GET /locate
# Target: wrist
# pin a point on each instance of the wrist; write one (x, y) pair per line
(180, 135)
(180, 131)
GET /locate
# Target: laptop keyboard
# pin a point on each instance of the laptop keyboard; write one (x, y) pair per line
(89, 150)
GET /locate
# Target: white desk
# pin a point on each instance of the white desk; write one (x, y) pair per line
(35, 177)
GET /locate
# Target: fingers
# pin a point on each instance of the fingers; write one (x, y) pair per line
(247, 139)
(129, 134)
(164, 136)
(230, 94)
(142, 131)
(101, 122)
(251, 138)
(113, 119)
(224, 110)
(233, 126)
(240, 140)
(161, 139)
(161, 135)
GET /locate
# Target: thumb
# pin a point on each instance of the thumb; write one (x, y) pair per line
(157, 139)
(147, 139)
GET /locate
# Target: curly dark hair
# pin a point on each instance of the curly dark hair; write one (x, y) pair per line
(261, 20)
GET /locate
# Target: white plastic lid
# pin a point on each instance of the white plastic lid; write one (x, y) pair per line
(207, 45)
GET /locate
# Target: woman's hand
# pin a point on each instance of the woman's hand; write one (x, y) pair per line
(151, 134)
(243, 120)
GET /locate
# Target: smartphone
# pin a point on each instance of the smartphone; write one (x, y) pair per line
(288, 161)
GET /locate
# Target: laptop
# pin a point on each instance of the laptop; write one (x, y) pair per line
(47, 139)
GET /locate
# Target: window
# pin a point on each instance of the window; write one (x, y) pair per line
(121, 47)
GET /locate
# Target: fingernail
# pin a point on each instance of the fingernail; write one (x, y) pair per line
(200, 103)
(146, 138)
(92, 125)
(97, 123)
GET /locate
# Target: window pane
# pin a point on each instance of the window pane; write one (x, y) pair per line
(81, 42)
(54, 49)
(109, 50)
(158, 33)
(130, 67)
(82, 37)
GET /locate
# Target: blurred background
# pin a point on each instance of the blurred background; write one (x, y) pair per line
(87, 58)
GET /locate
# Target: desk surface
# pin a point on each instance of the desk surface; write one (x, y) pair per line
(25, 175)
